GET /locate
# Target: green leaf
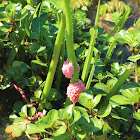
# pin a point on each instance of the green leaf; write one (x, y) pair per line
(61, 130)
(32, 111)
(4, 17)
(38, 63)
(100, 86)
(115, 68)
(57, 3)
(119, 100)
(5, 29)
(82, 111)
(124, 37)
(32, 129)
(86, 99)
(134, 58)
(36, 48)
(97, 124)
(135, 99)
(17, 106)
(105, 131)
(77, 115)
(11, 9)
(117, 117)
(54, 95)
(96, 100)
(65, 136)
(104, 111)
(16, 129)
(23, 111)
(20, 119)
(20, 66)
(40, 29)
(48, 106)
(137, 115)
(48, 120)
(21, 14)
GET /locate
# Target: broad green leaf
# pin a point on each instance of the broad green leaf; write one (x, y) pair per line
(20, 119)
(134, 58)
(48, 120)
(86, 99)
(137, 115)
(124, 37)
(40, 29)
(104, 111)
(32, 111)
(5, 29)
(97, 124)
(82, 111)
(61, 130)
(117, 117)
(48, 106)
(20, 66)
(65, 136)
(119, 100)
(32, 129)
(36, 48)
(24, 110)
(16, 129)
(4, 17)
(135, 99)
(105, 132)
(96, 100)
(57, 3)
(100, 86)
(21, 14)
(115, 68)
(63, 114)
(77, 115)
(17, 106)
(79, 134)
(11, 9)
(54, 95)
(136, 33)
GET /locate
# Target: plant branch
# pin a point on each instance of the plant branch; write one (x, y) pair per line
(22, 94)
(54, 61)
(69, 40)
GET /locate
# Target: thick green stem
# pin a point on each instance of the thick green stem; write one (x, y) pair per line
(91, 48)
(92, 71)
(69, 40)
(109, 52)
(54, 61)
(89, 56)
(59, 72)
(119, 83)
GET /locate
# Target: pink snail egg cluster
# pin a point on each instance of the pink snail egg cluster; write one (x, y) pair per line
(68, 69)
(74, 89)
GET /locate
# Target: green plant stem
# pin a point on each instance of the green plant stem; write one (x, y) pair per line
(55, 57)
(91, 73)
(91, 48)
(119, 83)
(109, 52)
(59, 72)
(136, 73)
(69, 40)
